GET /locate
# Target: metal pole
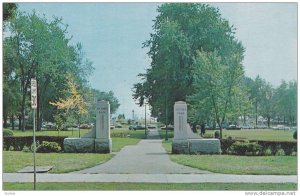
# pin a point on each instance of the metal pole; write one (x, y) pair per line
(145, 121)
(166, 121)
(34, 151)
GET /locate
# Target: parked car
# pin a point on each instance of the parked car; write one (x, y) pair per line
(233, 127)
(247, 127)
(170, 127)
(280, 127)
(118, 126)
(151, 126)
(85, 126)
(136, 127)
(48, 125)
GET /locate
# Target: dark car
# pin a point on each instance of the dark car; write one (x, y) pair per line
(233, 127)
(136, 127)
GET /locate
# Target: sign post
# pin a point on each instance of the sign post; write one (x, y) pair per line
(34, 106)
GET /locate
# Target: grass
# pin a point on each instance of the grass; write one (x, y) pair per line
(230, 164)
(62, 162)
(256, 134)
(68, 162)
(151, 186)
(162, 134)
(252, 134)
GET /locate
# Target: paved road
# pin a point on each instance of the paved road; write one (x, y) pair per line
(147, 157)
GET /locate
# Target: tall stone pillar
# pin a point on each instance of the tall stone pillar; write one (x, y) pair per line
(103, 142)
(185, 141)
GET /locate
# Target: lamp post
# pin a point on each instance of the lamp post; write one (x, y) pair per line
(145, 121)
(132, 116)
(166, 120)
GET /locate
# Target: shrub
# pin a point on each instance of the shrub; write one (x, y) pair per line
(26, 149)
(217, 134)
(245, 148)
(18, 143)
(295, 135)
(280, 152)
(268, 152)
(288, 146)
(46, 147)
(7, 132)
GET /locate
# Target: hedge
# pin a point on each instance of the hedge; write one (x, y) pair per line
(19, 142)
(288, 147)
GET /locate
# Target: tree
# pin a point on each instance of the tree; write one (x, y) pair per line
(180, 30)
(216, 85)
(94, 95)
(9, 10)
(74, 103)
(42, 50)
(267, 108)
(285, 98)
(11, 95)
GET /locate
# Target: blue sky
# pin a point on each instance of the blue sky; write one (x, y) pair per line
(112, 35)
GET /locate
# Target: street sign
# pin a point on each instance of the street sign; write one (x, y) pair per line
(33, 94)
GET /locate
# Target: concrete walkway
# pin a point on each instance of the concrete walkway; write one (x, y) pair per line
(147, 157)
(146, 162)
(157, 178)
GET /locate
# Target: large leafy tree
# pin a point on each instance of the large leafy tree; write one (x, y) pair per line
(180, 31)
(42, 50)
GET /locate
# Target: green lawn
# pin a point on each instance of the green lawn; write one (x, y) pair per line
(256, 134)
(230, 164)
(62, 162)
(252, 134)
(151, 186)
(67, 162)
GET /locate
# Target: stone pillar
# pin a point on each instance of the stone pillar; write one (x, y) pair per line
(103, 142)
(180, 143)
(180, 120)
(185, 141)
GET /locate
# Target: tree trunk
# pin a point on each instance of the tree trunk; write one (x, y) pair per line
(20, 122)
(23, 112)
(256, 114)
(12, 120)
(5, 121)
(269, 119)
(221, 132)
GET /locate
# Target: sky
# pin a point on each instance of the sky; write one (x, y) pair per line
(112, 35)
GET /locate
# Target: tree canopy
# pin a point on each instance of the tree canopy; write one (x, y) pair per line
(180, 31)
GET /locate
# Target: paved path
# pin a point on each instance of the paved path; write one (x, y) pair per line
(147, 157)
(158, 178)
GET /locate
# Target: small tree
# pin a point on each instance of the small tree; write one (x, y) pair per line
(217, 85)
(74, 103)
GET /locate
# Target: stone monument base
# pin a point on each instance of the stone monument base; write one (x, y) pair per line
(84, 145)
(79, 145)
(192, 146)
(103, 145)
